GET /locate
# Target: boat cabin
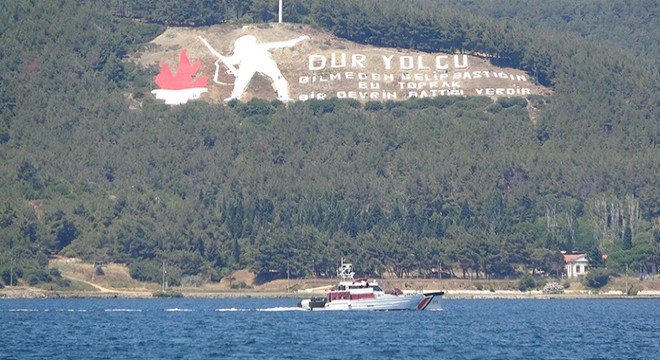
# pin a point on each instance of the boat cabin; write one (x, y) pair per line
(352, 289)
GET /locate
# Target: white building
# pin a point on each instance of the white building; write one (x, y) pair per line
(576, 265)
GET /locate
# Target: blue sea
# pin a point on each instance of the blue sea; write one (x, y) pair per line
(274, 329)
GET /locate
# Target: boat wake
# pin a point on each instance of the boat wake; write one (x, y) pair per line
(230, 310)
(178, 310)
(275, 309)
(123, 310)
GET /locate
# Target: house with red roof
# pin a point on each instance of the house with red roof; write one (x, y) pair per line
(576, 265)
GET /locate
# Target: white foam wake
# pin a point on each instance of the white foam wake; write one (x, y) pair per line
(293, 308)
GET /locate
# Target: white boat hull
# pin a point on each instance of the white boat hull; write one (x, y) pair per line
(383, 302)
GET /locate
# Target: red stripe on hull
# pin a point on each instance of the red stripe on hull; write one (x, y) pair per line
(424, 302)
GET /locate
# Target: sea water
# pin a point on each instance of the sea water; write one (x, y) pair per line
(276, 329)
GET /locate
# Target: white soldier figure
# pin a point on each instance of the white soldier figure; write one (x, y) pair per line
(252, 57)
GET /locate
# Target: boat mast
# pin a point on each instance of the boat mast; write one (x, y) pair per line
(345, 271)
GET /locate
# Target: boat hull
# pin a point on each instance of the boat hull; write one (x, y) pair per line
(384, 302)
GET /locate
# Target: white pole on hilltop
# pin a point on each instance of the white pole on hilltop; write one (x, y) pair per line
(280, 12)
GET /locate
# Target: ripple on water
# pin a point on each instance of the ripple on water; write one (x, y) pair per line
(276, 329)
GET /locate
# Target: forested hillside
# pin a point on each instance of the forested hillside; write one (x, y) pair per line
(468, 185)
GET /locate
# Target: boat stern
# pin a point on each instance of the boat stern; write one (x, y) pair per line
(313, 303)
(431, 301)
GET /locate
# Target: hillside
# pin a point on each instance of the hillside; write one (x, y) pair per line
(95, 167)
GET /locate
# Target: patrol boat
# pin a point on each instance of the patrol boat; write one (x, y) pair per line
(364, 294)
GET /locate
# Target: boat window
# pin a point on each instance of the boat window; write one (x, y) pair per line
(377, 288)
(341, 287)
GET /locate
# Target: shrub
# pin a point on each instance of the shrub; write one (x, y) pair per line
(442, 102)
(152, 271)
(350, 103)
(63, 282)
(633, 290)
(597, 278)
(276, 103)
(7, 278)
(145, 270)
(215, 275)
(55, 272)
(33, 280)
(322, 106)
(494, 108)
(398, 112)
(99, 271)
(192, 280)
(257, 109)
(526, 282)
(507, 102)
(240, 285)
(390, 104)
(373, 106)
(42, 259)
(417, 103)
(4, 137)
(167, 294)
(119, 284)
(37, 275)
(553, 288)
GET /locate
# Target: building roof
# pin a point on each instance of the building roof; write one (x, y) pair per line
(575, 257)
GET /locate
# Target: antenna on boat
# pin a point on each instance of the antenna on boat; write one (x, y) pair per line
(345, 271)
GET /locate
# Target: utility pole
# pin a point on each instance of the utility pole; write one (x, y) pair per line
(162, 284)
(280, 13)
(11, 269)
(627, 289)
(11, 262)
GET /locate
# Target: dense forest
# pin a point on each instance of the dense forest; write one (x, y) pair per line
(469, 187)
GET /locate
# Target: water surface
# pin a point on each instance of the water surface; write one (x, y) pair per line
(275, 329)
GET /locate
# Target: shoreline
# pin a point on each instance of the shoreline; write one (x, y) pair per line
(31, 293)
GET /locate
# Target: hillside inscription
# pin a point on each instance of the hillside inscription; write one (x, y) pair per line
(286, 64)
